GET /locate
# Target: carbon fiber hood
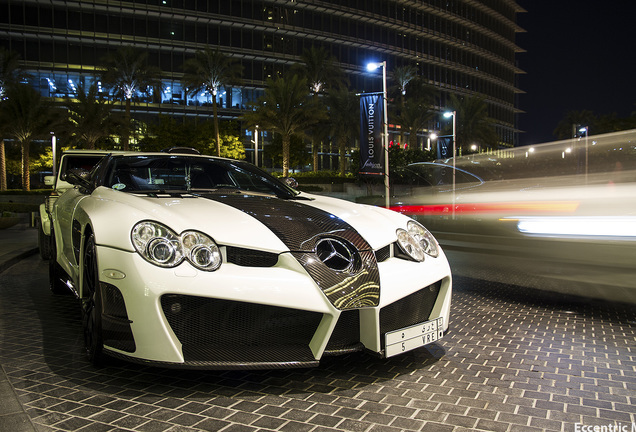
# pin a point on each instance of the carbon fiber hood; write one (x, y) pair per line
(301, 227)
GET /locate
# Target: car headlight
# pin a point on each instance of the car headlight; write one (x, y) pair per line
(161, 246)
(201, 250)
(417, 242)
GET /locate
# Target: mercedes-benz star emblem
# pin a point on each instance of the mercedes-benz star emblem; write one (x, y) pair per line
(336, 254)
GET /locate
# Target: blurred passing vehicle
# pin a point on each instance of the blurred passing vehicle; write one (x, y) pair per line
(559, 216)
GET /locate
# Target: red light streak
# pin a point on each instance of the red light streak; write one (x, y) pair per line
(520, 207)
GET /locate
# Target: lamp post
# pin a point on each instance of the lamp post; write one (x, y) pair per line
(585, 130)
(53, 146)
(256, 145)
(454, 115)
(372, 67)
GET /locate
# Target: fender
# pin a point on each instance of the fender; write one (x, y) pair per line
(45, 220)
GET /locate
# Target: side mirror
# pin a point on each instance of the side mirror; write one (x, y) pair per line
(291, 182)
(78, 177)
(49, 180)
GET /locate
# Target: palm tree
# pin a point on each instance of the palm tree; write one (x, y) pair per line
(402, 76)
(127, 71)
(286, 108)
(26, 116)
(10, 74)
(416, 109)
(319, 67)
(3, 159)
(568, 126)
(209, 71)
(473, 126)
(90, 116)
(344, 116)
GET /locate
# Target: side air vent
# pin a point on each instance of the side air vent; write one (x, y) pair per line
(250, 258)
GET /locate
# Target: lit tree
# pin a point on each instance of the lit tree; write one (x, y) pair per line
(288, 109)
(210, 70)
(127, 72)
(319, 67)
(26, 116)
(568, 126)
(473, 125)
(344, 118)
(415, 110)
(10, 74)
(90, 117)
(402, 76)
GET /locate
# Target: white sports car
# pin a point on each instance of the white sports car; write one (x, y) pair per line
(192, 261)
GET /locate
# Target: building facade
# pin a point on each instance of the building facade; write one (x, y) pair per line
(465, 47)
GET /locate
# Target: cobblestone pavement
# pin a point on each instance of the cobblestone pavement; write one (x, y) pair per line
(515, 360)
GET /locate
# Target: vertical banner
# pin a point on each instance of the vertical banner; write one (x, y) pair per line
(371, 150)
(444, 148)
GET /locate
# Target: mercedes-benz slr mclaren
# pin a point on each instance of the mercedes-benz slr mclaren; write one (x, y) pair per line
(183, 260)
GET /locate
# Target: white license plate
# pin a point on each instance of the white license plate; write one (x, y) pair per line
(415, 336)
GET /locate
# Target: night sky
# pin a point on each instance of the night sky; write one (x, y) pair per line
(580, 56)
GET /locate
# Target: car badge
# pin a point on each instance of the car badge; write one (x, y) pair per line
(336, 254)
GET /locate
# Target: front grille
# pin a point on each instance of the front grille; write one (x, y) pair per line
(346, 335)
(250, 258)
(410, 310)
(383, 254)
(116, 331)
(215, 330)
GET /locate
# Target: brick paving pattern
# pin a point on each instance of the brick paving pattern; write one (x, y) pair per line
(515, 360)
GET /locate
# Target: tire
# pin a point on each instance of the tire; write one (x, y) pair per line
(56, 274)
(91, 302)
(44, 243)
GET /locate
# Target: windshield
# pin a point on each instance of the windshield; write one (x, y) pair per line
(172, 173)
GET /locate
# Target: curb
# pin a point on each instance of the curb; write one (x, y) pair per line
(17, 258)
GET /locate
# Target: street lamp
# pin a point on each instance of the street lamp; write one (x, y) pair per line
(431, 137)
(454, 115)
(585, 130)
(371, 67)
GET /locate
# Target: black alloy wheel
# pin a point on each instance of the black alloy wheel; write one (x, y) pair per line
(92, 306)
(56, 274)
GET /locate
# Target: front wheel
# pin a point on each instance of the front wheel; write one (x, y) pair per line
(92, 306)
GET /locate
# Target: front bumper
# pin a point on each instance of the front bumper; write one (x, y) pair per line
(247, 317)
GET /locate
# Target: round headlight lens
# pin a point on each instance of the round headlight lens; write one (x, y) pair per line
(409, 245)
(161, 250)
(201, 250)
(157, 243)
(417, 242)
(424, 237)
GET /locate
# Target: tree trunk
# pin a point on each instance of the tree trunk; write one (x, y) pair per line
(286, 142)
(3, 167)
(343, 156)
(314, 146)
(216, 125)
(413, 139)
(26, 180)
(126, 138)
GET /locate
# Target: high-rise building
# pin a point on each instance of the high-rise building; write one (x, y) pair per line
(466, 47)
